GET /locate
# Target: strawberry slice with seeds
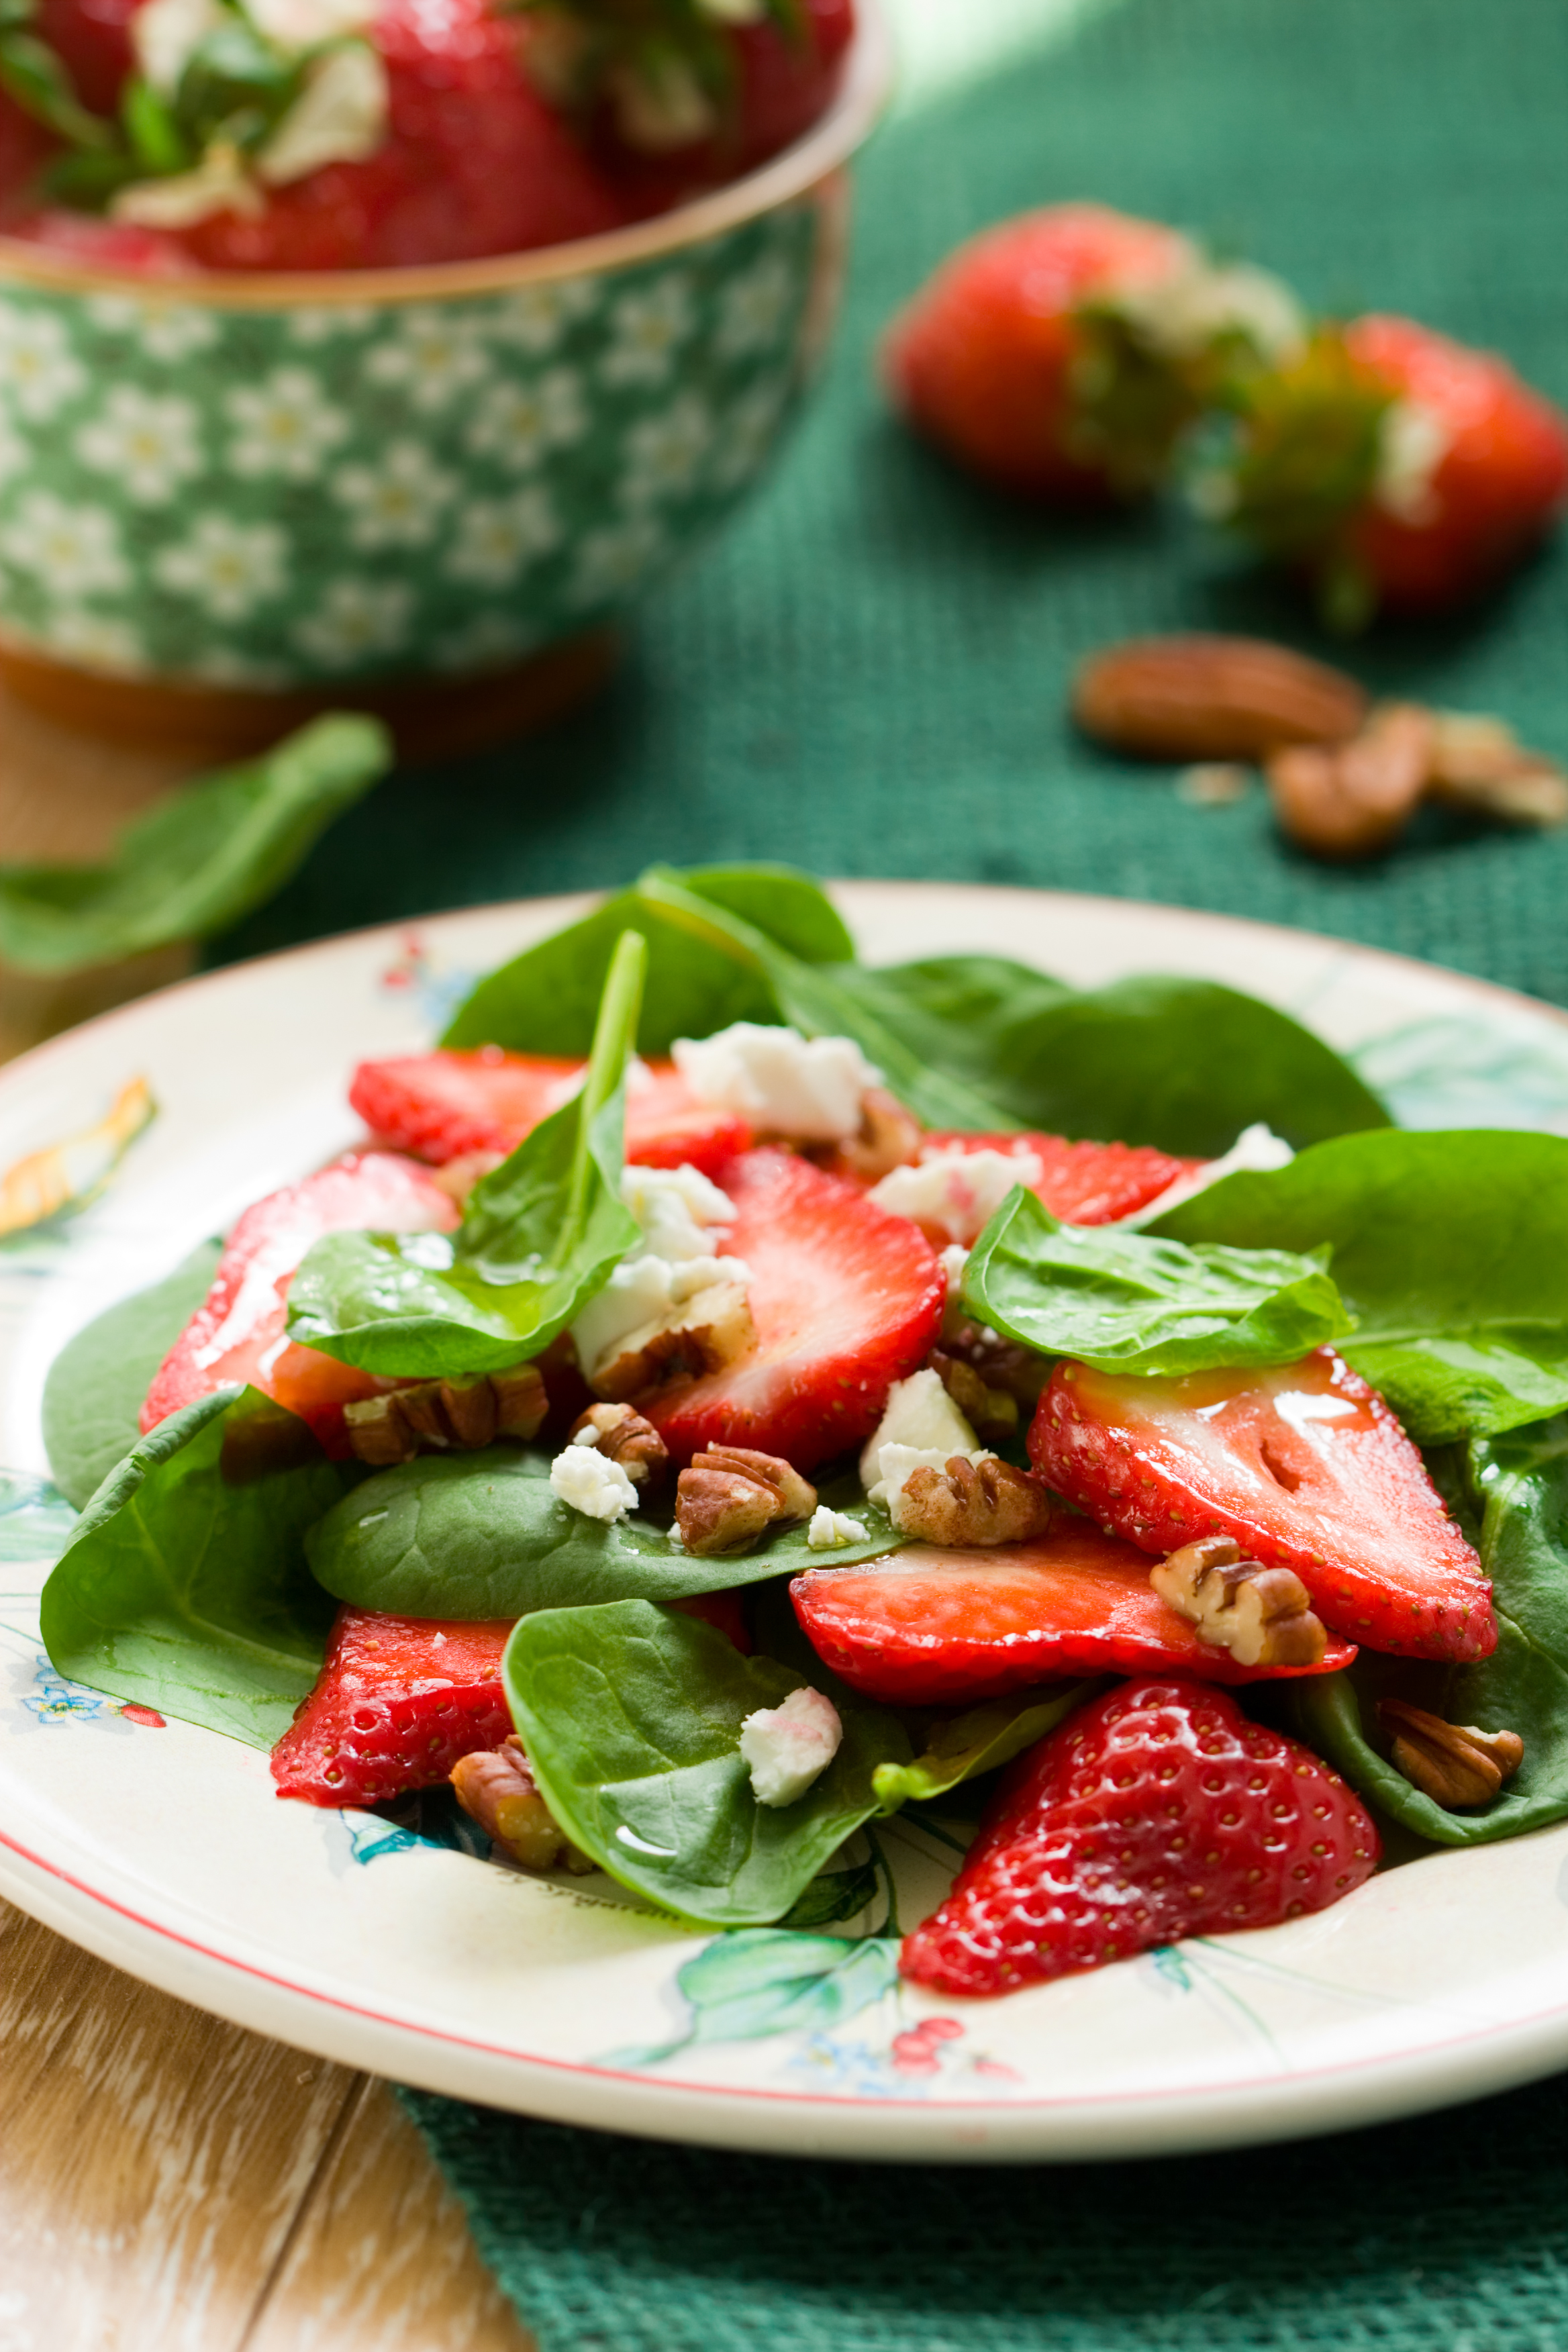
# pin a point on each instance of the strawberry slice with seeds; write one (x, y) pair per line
(1303, 1464)
(1155, 1812)
(449, 1105)
(845, 1300)
(1084, 1184)
(237, 1332)
(928, 1627)
(397, 1702)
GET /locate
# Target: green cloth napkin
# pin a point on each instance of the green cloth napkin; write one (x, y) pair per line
(868, 675)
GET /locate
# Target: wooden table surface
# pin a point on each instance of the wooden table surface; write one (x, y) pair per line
(169, 2183)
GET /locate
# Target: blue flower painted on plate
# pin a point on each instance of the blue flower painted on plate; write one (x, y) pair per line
(50, 1700)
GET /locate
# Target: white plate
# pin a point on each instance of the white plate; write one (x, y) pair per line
(166, 1851)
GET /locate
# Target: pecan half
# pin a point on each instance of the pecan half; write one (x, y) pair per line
(992, 1414)
(439, 1416)
(971, 1502)
(1209, 697)
(1001, 1363)
(1353, 799)
(711, 1329)
(1479, 765)
(498, 1788)
(623, 1437)
(1263, 1616)
(730, 1494)
(1452, 1763)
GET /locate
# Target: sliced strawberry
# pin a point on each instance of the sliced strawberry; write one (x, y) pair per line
(845, 1300)
(1306, 1467)
(927, 1627)
(1155, 1812)
(444, 1105)
(237, 1331)
(397, 1702)
(1085, 1183)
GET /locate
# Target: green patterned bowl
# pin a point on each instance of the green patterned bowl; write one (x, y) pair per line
(266, 489)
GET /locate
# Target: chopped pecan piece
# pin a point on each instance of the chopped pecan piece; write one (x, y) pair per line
(1351, 800)
(498, 1788)
(706, 1332)
(437, 1416)
(459, 1176)
(1001, 1363)
(1478, 764)
(1263, 1616)
(1210, 698)
(992, 1414)
(623, 1437)
(730, 1494)
(1452, 1763)
(890, 1137)
(971, 1502)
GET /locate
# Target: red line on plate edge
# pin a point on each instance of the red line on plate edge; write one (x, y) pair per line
(712, 2089)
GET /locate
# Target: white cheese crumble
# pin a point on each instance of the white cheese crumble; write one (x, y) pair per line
(677, 1209)
(644, 1291)
(955, 1192)
(1257, 1151)
(809, 1088)
(828, 1530)
(919, 1412)
(787, 1747)
(339, 116)
(592, 1483)
(219, 184)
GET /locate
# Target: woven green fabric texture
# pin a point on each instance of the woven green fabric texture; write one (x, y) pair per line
(868, 675)
(1402, 2239)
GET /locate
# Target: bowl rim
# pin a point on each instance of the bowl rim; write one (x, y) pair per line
(861, 95)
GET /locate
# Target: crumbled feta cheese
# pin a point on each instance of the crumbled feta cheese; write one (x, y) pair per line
(806, 1087)
(827, 1529)
(787, 1747)
(218, 183)
(919, 1411)
(956, 1191)
(643, 1291)
(592, 1483)
(900, 1462)
(677, 1209)
(1257, 1149)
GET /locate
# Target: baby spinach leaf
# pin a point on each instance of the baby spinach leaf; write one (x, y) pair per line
(185, 1586)
(760, 1981)
(545, 1000)
(978, 1741)
(92, 1395)
(815, 1001)
(1521, 1482)
(1182, 1064)
(1450, 1250)
(632, 1717)
(481, 1536)
(197, 861)
(542, 1234)
(1127, 1302)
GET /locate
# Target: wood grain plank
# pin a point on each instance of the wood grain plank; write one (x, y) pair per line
(153, 2159)
(383, 2257)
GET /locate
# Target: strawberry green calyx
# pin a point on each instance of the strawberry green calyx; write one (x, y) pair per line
(1306, 457)
(666, 69)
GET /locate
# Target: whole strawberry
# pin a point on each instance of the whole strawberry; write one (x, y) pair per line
(1064, 353)
(1399, 471)
(1157, 1812)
